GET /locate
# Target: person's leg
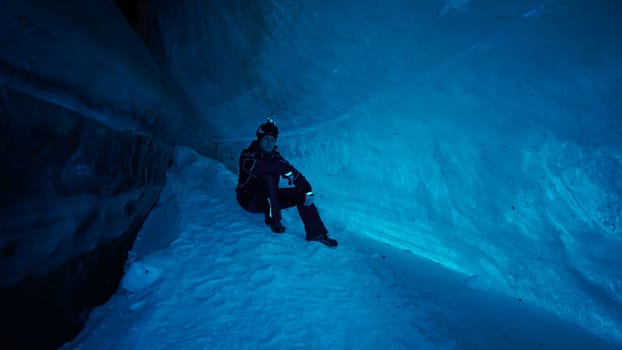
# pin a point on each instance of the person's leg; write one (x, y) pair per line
(273, 204)
(314, 227)
(287, 197)
(273, 208)
(280, 198)
(262, 198)
(253, 200)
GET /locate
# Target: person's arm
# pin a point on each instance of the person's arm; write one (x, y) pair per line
(293, 175)
(257, 167)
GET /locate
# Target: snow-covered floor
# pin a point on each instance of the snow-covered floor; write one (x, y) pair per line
(207, 275)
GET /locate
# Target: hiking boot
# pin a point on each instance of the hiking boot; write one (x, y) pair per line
(324, 240)
(276, 226)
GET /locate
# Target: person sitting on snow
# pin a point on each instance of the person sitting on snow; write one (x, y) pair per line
(258, 186)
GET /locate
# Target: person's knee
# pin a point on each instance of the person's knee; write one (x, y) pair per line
(300, 199)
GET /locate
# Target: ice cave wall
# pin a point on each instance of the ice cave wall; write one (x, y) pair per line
(483, 135)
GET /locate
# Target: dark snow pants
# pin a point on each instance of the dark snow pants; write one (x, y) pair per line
(268, 198)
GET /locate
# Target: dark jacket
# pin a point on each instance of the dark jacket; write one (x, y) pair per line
(255, 164)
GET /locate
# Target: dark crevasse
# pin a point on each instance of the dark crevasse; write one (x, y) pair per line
(84, 153)
(74, 195)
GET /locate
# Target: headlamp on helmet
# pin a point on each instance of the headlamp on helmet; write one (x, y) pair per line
(267, 128)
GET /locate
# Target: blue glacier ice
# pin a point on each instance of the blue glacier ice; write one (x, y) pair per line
(481, 135)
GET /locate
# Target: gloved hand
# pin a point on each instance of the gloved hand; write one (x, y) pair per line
(308, 199)
(290, 178)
